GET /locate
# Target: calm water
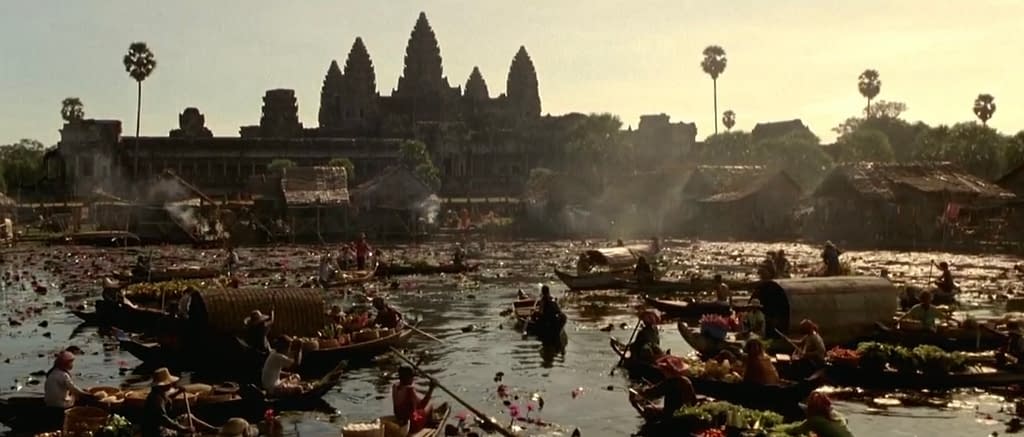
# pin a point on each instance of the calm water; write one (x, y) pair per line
(578, 388)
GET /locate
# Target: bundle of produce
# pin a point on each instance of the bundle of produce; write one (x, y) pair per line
(873, 356)
(927, 359)
(714, 326)
(116, 426)
(718, 415)
(844, 357)
(718, 370)
(935, 361)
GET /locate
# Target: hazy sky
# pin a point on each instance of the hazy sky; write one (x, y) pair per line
(787, 59)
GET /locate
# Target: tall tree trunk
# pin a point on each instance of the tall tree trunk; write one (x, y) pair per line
(714, 83)
(867, 109)
(138, 117)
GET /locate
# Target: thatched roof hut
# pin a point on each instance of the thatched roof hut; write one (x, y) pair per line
(396, 188)
(298, 311)
(1013, 181)
(845, 308)
(617, 257)
(315, 185)
(899, 182)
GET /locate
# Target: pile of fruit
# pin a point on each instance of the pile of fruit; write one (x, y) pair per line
(718, 370)
(336, 339)
(925, 358)
(169, 291)
(116, 426)
(842, 356)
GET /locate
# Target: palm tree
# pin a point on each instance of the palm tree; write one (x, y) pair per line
(869, 86)
(72, 110)
(139, 62)
(714, 65)
(728, 119)
(984, 107)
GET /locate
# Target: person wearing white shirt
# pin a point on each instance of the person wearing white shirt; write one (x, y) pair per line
(60, 391)
(274, 379)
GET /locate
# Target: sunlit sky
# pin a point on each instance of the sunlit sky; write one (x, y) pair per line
(786, 59)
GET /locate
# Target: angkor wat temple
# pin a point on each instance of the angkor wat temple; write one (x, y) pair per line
(484, 145)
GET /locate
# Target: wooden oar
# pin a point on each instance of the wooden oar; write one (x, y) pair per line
(631, 337)
(501, 430)
(791, 343)
(418, 331)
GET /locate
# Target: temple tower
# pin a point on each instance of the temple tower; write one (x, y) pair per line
(330, 97)
(423, 89)
(523, 95)
(476, 88)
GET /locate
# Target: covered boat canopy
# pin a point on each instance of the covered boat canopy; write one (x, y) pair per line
(618, 257)
(845, 308)
(299, 312)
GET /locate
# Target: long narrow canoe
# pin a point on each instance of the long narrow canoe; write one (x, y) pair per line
(689, 310)
(951, 339)
(133, 319)
(523, 311)
(685, 286)
(606, 280)
(386, 270)
(164, 275)
(974, 377)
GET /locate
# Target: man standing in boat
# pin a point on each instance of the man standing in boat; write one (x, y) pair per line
(830, 256)
(362, 251)
(945, 284)
(643, 272)
(548, 317)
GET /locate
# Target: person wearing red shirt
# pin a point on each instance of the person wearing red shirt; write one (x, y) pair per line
(362, 251)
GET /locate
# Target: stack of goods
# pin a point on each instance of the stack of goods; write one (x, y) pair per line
(715, 326)
(926, 359)
(717, 370)
(372, 429)
(722, 416)
(843, 357)
(83, 421)
(108, 396)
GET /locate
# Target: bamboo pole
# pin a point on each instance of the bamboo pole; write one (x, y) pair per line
(501, 430)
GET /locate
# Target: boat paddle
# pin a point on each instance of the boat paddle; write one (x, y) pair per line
(501, 430)
(419, 331)
(631, 337)
(791, 343)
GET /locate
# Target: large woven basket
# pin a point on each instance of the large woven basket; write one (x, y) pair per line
(83, 421)
(299, 312)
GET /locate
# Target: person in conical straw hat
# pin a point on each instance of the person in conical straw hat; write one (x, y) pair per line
(156, 422)
(257, 328)
(753, 320)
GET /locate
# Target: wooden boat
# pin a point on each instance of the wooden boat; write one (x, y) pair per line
(606, 280)
(316, 361)
(523, 311)
(974, 377)
(435, 426)
(948, 338)
(689, 310)
(685, 286)
(706, 346)
(782, 398)
(28, 413)
(351, 277)
(386, 270)
(97, 238)
(135, 276)
(134, 319)
(616, 264)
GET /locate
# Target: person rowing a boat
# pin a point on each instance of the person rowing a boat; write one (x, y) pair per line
(754, 321)
(925, 313)
(286, 355)
(257, 329)
(583, 265)
(810, 350)
(458, 256)
(412, 413)
(646, 347)
(944, 284)
(387, 316)
(548, 318)
(643, 272)
(156, 422)
(822, 420)
(59, 390)
(830, 257)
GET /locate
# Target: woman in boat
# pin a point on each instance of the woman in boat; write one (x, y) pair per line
(781, 264)
(387, 316)
(757, 365)
(257, 329)
(583, 265)
(677, 392)
(766, 270)
(754, 321)
(822, 420)
(646, 347)
(944, 284)
(156, 422)
(925, 313)
(643, 272)
(325, 271)
(459, 256)
(548, 318)
(59, 390)
(412, 413)
(811, 348)
(276, 381)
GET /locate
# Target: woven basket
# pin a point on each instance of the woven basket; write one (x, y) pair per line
(83, 421)
(328, 343)
(298, 312)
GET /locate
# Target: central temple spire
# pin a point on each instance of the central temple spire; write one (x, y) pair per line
(422, 73)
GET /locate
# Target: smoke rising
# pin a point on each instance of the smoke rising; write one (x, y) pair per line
(429, 208)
